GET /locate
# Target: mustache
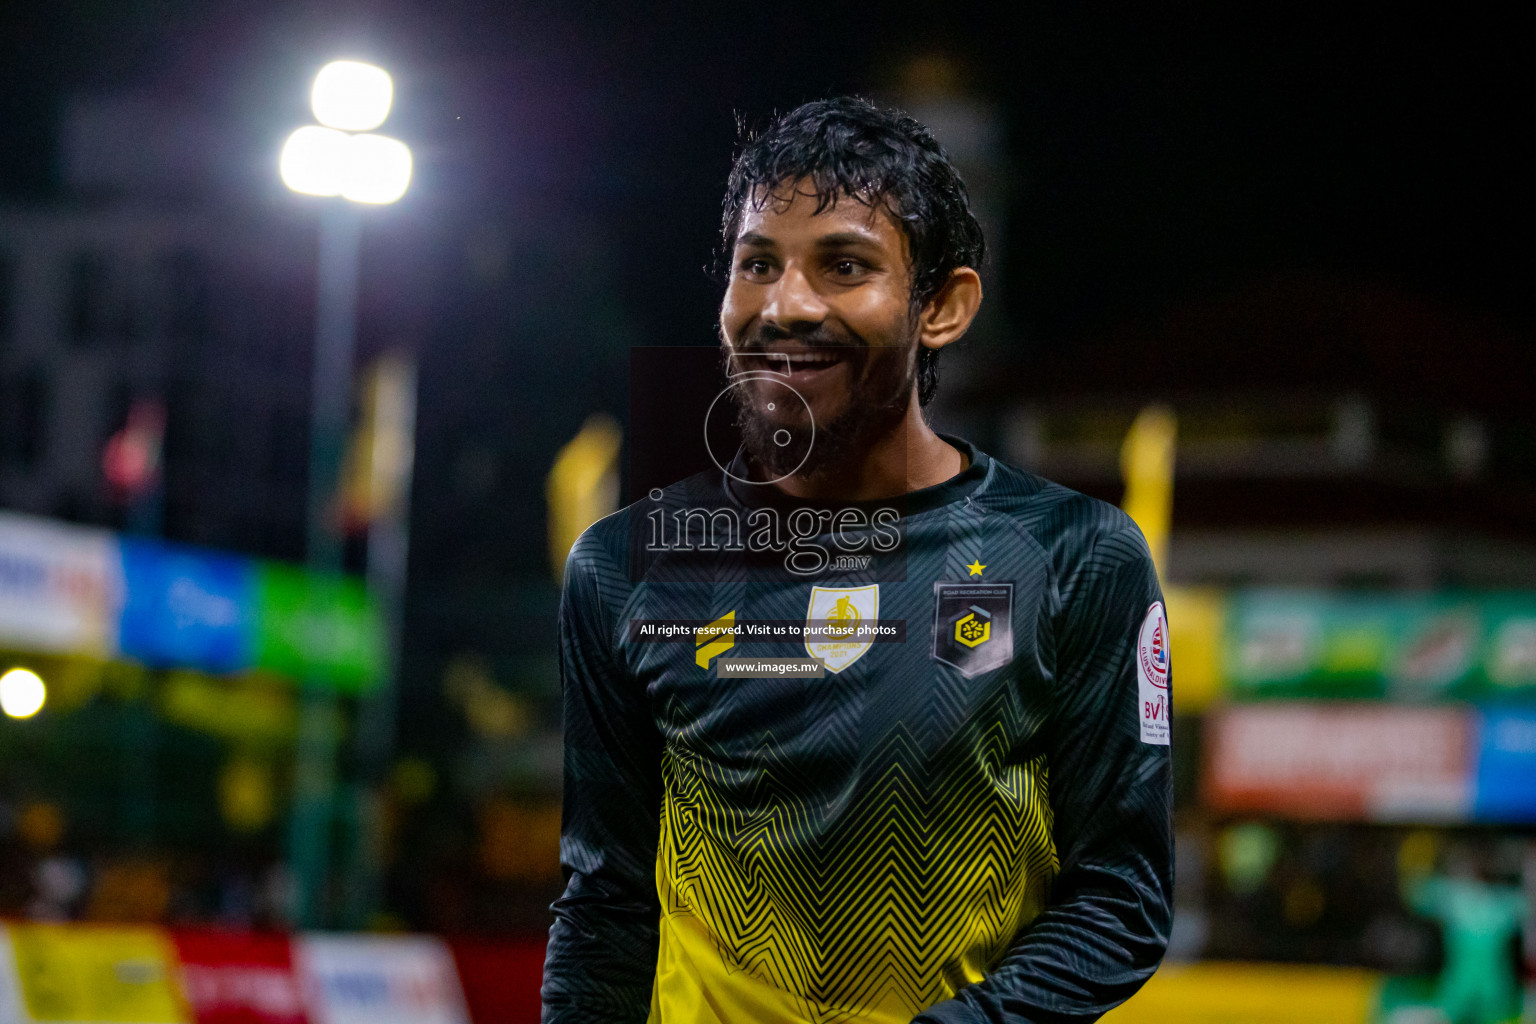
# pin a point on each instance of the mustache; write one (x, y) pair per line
(757, 339)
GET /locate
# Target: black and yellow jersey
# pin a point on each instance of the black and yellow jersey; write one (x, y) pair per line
(965, 817)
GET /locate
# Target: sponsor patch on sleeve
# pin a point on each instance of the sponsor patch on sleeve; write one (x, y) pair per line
(1153, 704)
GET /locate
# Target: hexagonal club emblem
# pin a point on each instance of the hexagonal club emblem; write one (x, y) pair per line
(974, 627)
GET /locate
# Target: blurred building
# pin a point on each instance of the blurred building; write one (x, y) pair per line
(119, 293)
(938, 89)
(1331, 432)
(171, 270)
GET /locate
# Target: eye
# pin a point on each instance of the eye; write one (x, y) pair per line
(755, 266)
(847, 268)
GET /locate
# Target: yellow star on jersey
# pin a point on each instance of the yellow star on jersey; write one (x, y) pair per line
(976, 567)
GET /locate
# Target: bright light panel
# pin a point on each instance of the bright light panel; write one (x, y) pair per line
(352, 96)
(379, 169)
(315, 160)
(22, 693)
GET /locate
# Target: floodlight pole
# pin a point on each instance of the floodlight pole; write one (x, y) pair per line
(388, 551)
(324, 160)
(313, 817)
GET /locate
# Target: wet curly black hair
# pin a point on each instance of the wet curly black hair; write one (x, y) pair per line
(847, 146)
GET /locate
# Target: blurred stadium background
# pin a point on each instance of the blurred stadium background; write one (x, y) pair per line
(1263, 277)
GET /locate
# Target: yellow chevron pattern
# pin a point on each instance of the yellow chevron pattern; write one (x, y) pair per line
(870, 908)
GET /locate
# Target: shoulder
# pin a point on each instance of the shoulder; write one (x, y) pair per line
(615, 547)
(600, 548)
(1075, 530)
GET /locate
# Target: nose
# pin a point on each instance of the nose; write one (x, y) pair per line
(792, 300)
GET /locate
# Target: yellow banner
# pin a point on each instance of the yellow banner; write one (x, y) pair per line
(1196, 618)
(73, 974)
(1252, 994)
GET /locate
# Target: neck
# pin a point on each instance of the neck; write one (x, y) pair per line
(907, 458)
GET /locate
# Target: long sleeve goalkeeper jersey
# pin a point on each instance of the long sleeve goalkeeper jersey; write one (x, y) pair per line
(959, 813)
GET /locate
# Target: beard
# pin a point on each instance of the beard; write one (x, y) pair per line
(880, 392)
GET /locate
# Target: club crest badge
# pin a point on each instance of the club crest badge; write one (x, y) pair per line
(832, 622)
(973, 626)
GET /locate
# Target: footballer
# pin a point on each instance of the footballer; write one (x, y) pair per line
(952, 804)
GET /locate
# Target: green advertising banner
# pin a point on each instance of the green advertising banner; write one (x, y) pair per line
(318, 630)
(1398, 647)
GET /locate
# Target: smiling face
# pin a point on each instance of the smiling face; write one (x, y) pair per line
(826, 297)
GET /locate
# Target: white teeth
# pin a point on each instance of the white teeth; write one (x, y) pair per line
(800, 360)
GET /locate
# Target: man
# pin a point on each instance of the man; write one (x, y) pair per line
(969, 823)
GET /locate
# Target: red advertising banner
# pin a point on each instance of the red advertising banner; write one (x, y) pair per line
(1342, 762)
(501, 979)
(240, 978)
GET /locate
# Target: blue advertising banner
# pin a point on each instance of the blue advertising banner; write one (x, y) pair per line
(1506, 767)
(187, 607)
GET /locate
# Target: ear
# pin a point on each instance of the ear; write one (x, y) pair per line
(948, 315)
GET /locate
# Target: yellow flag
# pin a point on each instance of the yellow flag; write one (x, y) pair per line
(376, 474)
(583, 485)
(1146, 464)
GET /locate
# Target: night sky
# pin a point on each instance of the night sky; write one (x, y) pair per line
(1158, 150)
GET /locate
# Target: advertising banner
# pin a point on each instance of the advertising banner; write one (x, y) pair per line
(368, 979)
(67, 589)
(1509, 656)
(1403, 647)
(60, 587)
(1253, 994)
(501, 979)
(239, 978)
(313, 628)
(187, 607)
(1506, 768)
(1354, 762)
(12, 1011)
(82, 974)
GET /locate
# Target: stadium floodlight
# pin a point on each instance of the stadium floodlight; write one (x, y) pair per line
(372, 169)
(315, 161)
(351, 96)
(331, 158)
(378, 169)
(22, 693)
